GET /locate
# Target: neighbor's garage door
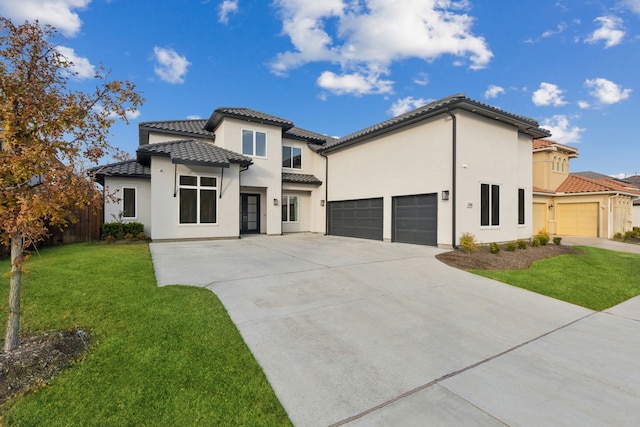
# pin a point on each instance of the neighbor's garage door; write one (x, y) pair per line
(356, 218)
(578, 219)
(415, 219)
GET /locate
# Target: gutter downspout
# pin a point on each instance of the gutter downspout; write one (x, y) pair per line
(453, 179)
(326, 193)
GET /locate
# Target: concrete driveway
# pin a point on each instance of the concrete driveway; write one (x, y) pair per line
(363, 333)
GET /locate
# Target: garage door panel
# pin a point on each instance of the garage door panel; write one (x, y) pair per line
(356, 218)
(415, 219)
(578, 219)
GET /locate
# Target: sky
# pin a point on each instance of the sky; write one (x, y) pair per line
(338, 66)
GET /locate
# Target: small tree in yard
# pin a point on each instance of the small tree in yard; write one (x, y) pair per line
(48, 133)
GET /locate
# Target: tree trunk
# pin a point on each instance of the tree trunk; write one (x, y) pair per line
(13, 325)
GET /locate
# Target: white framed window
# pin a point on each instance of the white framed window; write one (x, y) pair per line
(489, 205)
(254, 143)
(289, 208)
(291, 157)
(129, 202)
(198, 199)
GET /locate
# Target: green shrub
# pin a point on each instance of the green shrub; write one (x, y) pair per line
(494, 248)
(110, 240)
(522, 244)
(119, 230)
(535, 242)
(630, 235)
(141, 236)
(511, 246)
(557, 240)
(468, 242)
(543, 237)
(128, 237)
(618, 236)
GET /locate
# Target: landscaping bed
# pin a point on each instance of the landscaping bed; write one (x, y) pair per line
(483, 259)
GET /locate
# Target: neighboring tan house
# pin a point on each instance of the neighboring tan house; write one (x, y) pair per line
(455, 165)
(585, 204)
(635, 180)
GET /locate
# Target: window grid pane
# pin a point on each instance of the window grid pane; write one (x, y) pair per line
(484, 204)
(188, 206)
(521, 206)
(297, 158)
(247, 142)
(261, 144)
(286, 156)
(495, 205)
(207, 206)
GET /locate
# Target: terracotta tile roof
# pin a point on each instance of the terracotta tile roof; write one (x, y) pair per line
(192, 152)
(459, 101)
(580, 184)
(539, 144)
(541, 190)
(298, 178)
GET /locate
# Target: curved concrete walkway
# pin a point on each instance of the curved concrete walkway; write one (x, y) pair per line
(363, 333)
(598, 242)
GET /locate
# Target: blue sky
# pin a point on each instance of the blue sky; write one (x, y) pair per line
(337, 66)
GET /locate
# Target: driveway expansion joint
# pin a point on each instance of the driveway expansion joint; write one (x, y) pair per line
(454, 373)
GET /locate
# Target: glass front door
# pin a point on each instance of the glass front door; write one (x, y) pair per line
(249, 213)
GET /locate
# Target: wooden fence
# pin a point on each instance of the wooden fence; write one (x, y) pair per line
(86, 229)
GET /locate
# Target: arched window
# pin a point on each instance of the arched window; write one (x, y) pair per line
(553, 164)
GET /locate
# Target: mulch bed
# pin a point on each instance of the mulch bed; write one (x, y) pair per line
(483, 259)
(38, 359)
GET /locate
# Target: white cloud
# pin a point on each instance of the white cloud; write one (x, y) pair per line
(81, 66)
(227, 7)
(354, 84)
(611, 31)
(409, 103)
(559, 29)
(561, 130)
(422, 79)
(171, 67)
(634, 5)
(193, 117)
(583, 104)
(59, 13)
(606, 91)
(493, 91)
(548, 94)
(131, 114)
(372, 34)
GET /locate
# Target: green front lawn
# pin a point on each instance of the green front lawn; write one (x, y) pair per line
(596, 279)
(158, 356)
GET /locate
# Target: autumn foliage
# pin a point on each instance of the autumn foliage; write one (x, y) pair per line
(49, 134)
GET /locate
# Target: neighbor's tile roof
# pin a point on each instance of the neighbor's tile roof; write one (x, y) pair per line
(126, 169)
(526, 124)
(195, 127)
(298, 178)
(592, 175)
(539, 144)
(192, 152)
(579, 184)
(541, 190)
(245, 114)
(634, 179)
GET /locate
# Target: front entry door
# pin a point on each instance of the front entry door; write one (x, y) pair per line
(249, 213)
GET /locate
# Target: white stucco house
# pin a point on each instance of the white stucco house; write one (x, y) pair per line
(455, 165)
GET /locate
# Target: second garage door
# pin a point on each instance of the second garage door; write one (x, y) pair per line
(578, 219)
(356, 218)
(415, 219)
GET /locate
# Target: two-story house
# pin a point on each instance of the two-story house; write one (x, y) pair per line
(455, 165)
(575, 204)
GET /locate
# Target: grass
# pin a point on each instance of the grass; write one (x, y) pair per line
(158, 356)
(596, 278)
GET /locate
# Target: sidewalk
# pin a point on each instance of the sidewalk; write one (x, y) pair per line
(601, 243)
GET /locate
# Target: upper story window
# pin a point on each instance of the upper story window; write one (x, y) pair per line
(291, 157)
(254, 143)
(489, 205)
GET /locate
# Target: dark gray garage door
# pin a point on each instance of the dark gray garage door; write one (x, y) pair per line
(356, 218)
(415, 219)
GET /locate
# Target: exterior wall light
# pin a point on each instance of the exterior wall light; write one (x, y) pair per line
(321, 202)
(550, 207)
(445, 195)
(275, 202)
